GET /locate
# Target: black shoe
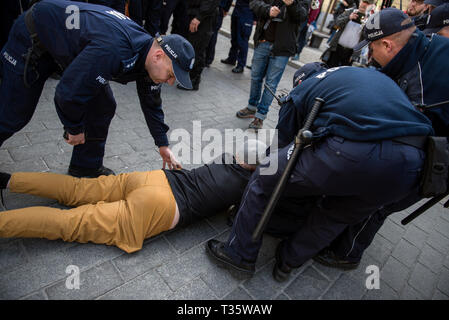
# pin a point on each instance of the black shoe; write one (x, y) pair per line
(4, 179)
(328, 258)
(237, 69)
(215, 249)
(194, 87)
(80, 172)
(227, 61)
(281, 271)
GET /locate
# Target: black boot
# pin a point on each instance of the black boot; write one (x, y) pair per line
(81, 172)
(281, 271)
(329, 259)
(216, 250)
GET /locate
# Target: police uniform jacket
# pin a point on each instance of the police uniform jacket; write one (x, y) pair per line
(201, 9)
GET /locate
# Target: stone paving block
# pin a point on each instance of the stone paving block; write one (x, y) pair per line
(309, 285)
(11, 256)
(34, 151)
(360, 274)
(188, 237)
(415, 236)
(36, 296)
(5, 157)
(439, 296)
(219, 221)
(383, 293)
(92, 283)
(262, 285)
(153, 254)
(409, 293)
(391, 232)
(45, 249)
(17, 140)
(35, 165)
(221, 282)
(331, 274)
(443, 281)
(194, 290)
(33, 126)
(58, 161)
(142, 132)
(38, 273)
(380, 249)
(406, 253)
(442, 226)
(148, 286)
(427, 221)
(423, 280)
(439, 242)
(122, 136)
(19, 200)
(282, 296)
(118, 149)
(395, 274)
(431, 258)
(114, 163)
(346, 288)
(398, 217)
(133, 158)
(44, 136)
(238, 294)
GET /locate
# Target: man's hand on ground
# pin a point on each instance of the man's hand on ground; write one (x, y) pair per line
(169, 159)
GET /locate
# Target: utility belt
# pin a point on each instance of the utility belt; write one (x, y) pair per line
(434, 179)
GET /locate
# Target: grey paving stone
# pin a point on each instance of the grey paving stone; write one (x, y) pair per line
(148, 286)
(221, 283)
(5, 157)
(331, 274)
(439, 296)
(188, 237)
(282, 296)
(395, 274)
(58, 161)
(131, 158)
(439, 242)
(35, 165)
(154, 253)
(33, 151)
(406, 253)
(194, 290)
(45, 136)
(423, 280)
(92, 283)
(36, 296)
(17, 140)
(391, 232)
(308, 285)
(380, 249)
(383, 293)
(427, 221)
(238, 294)
(346, 288)
(431, 258)
(18, 200)
(219, 221)
(409, 293)
(442, 226)
(11, 256)
(118, 149)
(415, 236)
(45, 249)
(443, 281)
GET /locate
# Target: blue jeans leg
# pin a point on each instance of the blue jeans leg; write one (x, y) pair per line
(258, 70)
(276, 67)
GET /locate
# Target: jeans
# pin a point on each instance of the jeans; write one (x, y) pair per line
(264, 65)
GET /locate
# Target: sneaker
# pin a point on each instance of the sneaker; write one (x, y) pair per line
(4, 179)
(256, 124)
(227, 61)
(245, 113)
(80, 172)
(237, 69)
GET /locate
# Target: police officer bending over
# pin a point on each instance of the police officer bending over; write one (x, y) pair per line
(91, 48)
(357, 163)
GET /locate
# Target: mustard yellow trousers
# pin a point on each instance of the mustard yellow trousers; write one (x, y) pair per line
(120, 210)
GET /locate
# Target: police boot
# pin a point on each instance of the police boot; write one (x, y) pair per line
(329, 259)
(216, 250)
(281, 271)
(81, 172)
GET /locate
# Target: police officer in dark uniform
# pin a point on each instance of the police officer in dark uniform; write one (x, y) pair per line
(223, 9)
(180, 23)
(357, 162)
(419, 66)
(241, 26)
(148, 11)
(202, 17)
(92, 45)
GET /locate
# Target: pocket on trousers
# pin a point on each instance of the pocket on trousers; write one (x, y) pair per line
(350, 150)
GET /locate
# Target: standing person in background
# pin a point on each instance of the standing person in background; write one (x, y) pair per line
(241, 28)
(180, 23)
(315, 9)
(223, 9)
(418, 10)
(274, 42)
(439, 21)
(148, 11)
(202, 16)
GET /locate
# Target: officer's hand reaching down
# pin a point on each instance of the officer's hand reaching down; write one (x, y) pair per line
(75, 139)
(169, 159)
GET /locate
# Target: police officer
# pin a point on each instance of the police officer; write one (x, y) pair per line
(202, 16)
(148, 11)
(418, 65)
(439, 21)
(357, 163)
(223, 9)
(241, 27)
(418, 10)
(180, 23)
(92, 46)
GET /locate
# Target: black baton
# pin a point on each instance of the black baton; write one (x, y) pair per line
(272, 93)
(430, 203)
(303, 138)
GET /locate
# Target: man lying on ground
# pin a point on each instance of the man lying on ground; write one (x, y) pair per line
(126, 209)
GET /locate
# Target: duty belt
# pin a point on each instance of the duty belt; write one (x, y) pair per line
(414, 141)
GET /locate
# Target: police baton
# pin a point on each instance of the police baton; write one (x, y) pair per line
(303, 138)
(430, 203)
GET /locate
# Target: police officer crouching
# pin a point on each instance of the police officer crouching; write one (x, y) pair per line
(358, 161)
(98, 45)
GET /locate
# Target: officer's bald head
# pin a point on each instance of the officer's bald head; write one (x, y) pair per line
(159, 66)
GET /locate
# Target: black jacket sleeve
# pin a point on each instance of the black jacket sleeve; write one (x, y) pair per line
(260, 8)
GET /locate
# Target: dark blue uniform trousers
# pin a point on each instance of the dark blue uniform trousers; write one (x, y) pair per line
(241, 27)
(18, 103)
(344, 182)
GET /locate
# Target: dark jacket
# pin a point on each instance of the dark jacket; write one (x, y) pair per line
(422, 71)
(354, 112)
(287, 30)
(340, 24)
(201, 9)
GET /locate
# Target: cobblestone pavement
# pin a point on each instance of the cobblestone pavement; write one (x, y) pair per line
(413, 260)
